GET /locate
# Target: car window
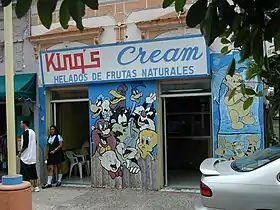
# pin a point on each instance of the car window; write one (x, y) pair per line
(257, 159)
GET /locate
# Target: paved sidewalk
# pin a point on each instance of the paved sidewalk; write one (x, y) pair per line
(110, 199)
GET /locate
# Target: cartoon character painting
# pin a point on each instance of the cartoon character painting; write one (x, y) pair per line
(147, 141)
(123, 119)
(110, 162)
(145, 114)
(101, 105)
(102, 137)
(235, 101)
(119, 97)
(136, 94)
(237, 149)
(253, 144)
(96, 108)
(120, 121)
(128, 157)
(106, 111)
(238, 129)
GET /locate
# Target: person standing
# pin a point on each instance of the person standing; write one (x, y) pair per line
(28, 156)
(55, 156)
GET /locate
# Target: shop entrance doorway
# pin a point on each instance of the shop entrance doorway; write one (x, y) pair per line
(187, 136)
(71, 116)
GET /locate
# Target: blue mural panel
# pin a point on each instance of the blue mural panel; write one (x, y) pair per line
(42, 118)
(236, 132)
(123, 125)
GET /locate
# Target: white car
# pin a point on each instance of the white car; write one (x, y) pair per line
(250, 183)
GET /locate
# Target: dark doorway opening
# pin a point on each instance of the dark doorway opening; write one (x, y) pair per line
(72, 120)
(188, 139)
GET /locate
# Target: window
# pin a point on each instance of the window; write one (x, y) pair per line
(257, 159)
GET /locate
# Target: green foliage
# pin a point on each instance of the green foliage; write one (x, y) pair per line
(231, 68)
(211, 27)
(271, 78)
(167, 3)
(232, 93)
(64, 14)
(277, 41)
(249, 101)
(196, 12)
(45, 9)
(5, 2)
(245, 24)
(68, 9)
(179, 4)
(225, 41)
(249, 22)
(241, 35)
(77, 11)
(22, 7)
(250, 91)
(92, 4)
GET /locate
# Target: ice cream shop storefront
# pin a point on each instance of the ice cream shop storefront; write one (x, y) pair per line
(139, 114)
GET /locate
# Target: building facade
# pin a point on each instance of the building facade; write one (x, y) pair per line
(139, 98)
(25, 69)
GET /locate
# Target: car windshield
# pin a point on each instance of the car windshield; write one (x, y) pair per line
(256, 160)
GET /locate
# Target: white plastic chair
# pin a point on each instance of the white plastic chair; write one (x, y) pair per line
(82, 153)
(74, 161)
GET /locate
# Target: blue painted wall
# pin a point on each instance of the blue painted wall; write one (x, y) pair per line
(42, 118)
(235, 133)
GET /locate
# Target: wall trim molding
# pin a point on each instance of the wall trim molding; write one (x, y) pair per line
(71, 34)
(161, 25)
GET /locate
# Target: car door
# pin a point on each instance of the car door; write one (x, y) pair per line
(267, 194)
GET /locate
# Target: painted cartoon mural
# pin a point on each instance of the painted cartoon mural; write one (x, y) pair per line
(236, 132)
(238, 116)
(239, 148)
(123, 126)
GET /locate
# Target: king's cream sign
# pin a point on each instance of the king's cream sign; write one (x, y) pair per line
(153, 59)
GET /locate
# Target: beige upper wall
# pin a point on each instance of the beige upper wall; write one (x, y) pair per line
(120, 20)
(116, 17)
(118, 9)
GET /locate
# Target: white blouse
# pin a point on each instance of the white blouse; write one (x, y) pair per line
(52, 138)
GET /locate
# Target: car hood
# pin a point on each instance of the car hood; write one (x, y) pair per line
(216, 167)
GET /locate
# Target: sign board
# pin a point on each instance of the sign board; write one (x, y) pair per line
(270, 48)
(140, 60)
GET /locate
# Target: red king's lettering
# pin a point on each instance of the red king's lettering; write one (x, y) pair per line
(74, 61)
(49, 61)
(95, 59)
